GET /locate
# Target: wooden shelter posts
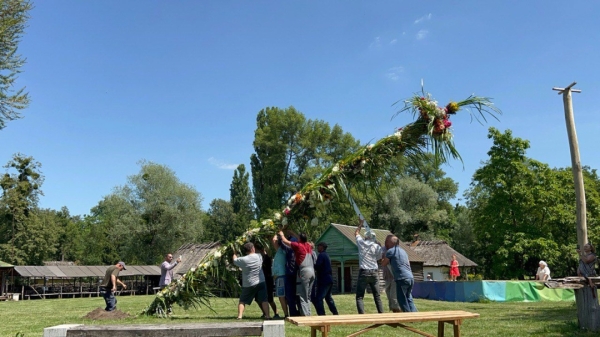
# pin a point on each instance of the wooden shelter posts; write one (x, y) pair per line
(5, 270)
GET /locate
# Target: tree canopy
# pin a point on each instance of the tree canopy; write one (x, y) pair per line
(289, 152)
(13, 18)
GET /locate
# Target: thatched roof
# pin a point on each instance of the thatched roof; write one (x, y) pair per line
(191, 255)
(380, 234)
(439, 254)
(5, 265)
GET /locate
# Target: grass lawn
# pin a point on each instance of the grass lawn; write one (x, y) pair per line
(497, 319)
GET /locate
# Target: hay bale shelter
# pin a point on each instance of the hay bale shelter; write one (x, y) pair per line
(343, 251)
(191, 256)
(438, 255)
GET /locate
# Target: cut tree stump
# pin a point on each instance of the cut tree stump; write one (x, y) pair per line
(588, 309)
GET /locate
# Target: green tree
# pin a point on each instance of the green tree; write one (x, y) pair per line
(70, 241)
(522, 211)
(152, 214)
(13, 17)
(241, 197)
(222, 224)
(290, 151)
(21, 188)
(409, 208)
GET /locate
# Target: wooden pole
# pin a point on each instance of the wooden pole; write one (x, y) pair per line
(582, 237)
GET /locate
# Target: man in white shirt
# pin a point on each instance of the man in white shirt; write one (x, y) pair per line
(369, 251)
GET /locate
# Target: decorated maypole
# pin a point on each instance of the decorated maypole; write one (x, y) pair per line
(430, 130)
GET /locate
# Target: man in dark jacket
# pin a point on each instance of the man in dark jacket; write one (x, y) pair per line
(324, 281)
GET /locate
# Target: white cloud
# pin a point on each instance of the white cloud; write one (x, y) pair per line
(422, 34)
(221, 164)
(376, 43)
(423, 18)
(393, 42)
(394, 73)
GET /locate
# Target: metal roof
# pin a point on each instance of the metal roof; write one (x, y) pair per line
(82, 271)
(380, 234)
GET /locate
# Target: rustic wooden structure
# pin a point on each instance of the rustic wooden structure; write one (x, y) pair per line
(77, 281)
(343, 251)
(5, 270)
(586, 297)
(191, 255)
(395, 320)
(438, 255)
(266, 329)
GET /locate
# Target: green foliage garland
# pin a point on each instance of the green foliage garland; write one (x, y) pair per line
(431, 129)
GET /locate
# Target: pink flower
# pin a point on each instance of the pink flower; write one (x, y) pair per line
(447, 123)
(286, 211)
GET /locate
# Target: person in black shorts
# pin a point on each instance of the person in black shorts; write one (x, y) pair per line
(253, 280)
(267, 271)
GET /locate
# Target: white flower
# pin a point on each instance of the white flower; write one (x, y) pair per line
(398, 134)
(192, 269)
(277, 216)
(370, 146)
(336, 168)
(292, 200)
(314, 221)
(217, 254)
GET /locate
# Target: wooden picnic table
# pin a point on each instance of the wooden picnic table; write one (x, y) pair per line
(396, 320)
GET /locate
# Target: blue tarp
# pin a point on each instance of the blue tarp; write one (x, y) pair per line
(498, 291)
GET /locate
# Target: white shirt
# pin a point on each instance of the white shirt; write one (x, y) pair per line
(543, 271)
(368, 253)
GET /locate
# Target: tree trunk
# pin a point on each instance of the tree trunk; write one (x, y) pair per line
(588, 309)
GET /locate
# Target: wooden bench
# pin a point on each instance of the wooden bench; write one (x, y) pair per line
(396, 320)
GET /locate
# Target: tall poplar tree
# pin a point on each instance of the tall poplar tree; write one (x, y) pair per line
(289, 152)
(13, 17)
(241, 197)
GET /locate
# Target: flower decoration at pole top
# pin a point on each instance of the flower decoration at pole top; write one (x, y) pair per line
(431, 130)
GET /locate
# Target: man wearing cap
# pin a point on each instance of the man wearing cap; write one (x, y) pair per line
(109, 285)
(369, 251)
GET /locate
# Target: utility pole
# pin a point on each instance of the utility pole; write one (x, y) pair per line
(582, 237)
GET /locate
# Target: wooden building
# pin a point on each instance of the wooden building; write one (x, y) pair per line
(438, 255)
(343, 251)
(191, 256)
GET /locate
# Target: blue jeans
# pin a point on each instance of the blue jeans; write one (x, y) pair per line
(110, 299)
(370, 278)
(323, 292)
(290, 294)
(404, 293)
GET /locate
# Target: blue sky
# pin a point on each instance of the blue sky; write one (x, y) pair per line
(180, 82)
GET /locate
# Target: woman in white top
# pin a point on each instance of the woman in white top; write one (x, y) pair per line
(543, 272)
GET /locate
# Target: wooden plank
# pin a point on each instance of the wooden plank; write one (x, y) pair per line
(170, 330)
